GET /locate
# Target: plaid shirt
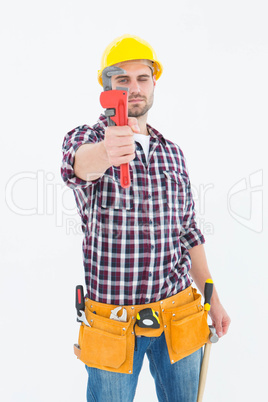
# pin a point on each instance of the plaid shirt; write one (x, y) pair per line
(136, 239)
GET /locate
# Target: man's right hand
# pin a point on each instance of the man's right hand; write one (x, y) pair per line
(119, 142)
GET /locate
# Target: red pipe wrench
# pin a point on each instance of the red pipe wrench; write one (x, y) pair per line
(115, 101)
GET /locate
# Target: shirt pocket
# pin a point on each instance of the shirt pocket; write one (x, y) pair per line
(112, 195)
(176, 190)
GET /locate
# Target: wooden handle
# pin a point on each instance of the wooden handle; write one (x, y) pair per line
(203, 372)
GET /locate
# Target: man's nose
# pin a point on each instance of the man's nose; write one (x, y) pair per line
(134, 87)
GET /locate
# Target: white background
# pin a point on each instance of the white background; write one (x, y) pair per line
(211, 100)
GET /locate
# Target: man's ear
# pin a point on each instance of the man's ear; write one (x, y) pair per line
(154, 80)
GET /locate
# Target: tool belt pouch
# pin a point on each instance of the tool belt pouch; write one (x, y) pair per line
(105, 344)
(186, 328)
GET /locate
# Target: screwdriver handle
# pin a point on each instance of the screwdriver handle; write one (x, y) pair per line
(208, 293)
(79, 298)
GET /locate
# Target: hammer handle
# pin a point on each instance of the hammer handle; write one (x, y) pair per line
(79, 298)
(208, 294)
(203, 372)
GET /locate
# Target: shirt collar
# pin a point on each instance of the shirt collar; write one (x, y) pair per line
(155, 134)
(103, 123)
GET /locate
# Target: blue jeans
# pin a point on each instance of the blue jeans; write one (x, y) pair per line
(174, 382)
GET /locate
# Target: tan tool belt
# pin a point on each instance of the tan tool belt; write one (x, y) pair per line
(109, 344)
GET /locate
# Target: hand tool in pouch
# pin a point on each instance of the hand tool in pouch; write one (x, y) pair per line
(114, 314)
(146, 318)
(213, 338)
(115, 101)
(80, 305)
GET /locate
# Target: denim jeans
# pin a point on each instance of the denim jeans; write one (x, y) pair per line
(174, 382)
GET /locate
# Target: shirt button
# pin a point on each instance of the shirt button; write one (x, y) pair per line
(146, 300)
(150, 221)
(152, 247)
(150, 274)
(149, 196)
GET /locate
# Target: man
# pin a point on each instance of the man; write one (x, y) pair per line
(141, 244)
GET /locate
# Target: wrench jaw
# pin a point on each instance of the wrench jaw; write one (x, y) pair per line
(107, 74)
(114, 314)
(82, 318)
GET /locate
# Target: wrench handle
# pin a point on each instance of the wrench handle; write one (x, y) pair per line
(79, 298)
(124, 175)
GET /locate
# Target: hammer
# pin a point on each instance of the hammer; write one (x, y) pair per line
(213, 338)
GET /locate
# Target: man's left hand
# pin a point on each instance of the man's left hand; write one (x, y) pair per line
(220, 319)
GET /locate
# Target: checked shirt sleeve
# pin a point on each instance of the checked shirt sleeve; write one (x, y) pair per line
(72, 141)
(191, 236)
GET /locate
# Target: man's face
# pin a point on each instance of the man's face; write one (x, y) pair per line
(140, 83)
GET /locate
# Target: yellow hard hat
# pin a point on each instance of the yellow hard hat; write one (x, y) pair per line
(129, 47)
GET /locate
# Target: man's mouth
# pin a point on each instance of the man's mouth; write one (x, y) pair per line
(133, 100)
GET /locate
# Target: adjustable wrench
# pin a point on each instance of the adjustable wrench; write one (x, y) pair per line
(82, 318)
(115, 101)
(80, 305)
(114, 314)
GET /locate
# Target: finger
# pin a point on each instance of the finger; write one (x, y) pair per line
(124, 159)
(225, 326)
(122, 151)
(217, 325)
(133, 124)
(118, 131)
(121, 142)
(131, 121)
